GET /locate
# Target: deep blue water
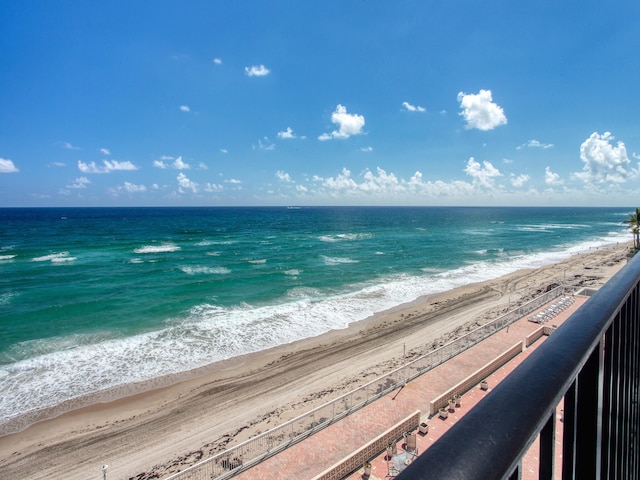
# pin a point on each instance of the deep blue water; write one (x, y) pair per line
(99, 298)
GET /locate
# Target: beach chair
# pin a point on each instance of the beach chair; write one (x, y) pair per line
(410, 443)
(537, 318)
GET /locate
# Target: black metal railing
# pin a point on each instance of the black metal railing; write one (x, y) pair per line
(592, 362)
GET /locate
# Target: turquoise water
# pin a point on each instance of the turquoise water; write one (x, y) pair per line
(95, 300)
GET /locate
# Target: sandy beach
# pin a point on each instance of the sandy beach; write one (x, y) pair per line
(153, 434)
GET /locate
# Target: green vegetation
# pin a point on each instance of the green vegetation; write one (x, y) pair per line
(633, 223)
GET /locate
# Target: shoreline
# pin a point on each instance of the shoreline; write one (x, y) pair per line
(227, 402)
(111, 371)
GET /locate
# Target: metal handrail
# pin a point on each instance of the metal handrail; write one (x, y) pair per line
(592, 362)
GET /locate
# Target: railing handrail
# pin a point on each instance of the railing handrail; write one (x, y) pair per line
(490, 440)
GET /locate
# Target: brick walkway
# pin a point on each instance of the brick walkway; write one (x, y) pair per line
(332, 444)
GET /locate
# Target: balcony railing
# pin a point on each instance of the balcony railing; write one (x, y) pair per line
(592, 362)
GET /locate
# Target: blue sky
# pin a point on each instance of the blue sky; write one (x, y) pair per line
(319, 103)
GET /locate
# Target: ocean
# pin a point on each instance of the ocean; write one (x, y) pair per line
(98, 303)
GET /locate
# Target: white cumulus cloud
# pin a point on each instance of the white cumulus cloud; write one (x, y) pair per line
(185, 184)
(341, 182)
(479, 110)
(177, 164)
(69, 146)
(482, 174)
(128, 187)
(266, 144)
(381, 182)
(604, 162)
(413, 108)
(7, 166)
(79, 183)
(257, 71)
(519, 180)
(348, 124)
(133, 188)
(288, 133)
(535, 144)
(106, 167)
(283, 176)
(185, 108)
(384, 187)
(551, 178)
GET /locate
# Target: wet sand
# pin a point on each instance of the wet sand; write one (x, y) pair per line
(152, 434)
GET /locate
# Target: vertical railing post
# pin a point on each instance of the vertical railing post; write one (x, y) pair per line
(609, 402)
(517, 473)
(547, 448)
(635, 375)
(569, 434)
(587, 411)
(623, 414)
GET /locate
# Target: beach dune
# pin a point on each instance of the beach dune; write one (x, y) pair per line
(153, 434)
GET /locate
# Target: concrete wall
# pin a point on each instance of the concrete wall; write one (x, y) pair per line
(534, 336)
(355, 461)
(475, 378)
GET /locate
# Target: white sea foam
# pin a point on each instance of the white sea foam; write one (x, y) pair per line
(475, 232)
(43, 346)
(345, 237)
(304, 293)
(205, 270)
(533, 228)
(5, 298)
(549, 227)
(5, 258)
(260, 261)
(54, 258)
(294, 272)
(162, 248)
(213, 254)
(62, 259)
(336, 260)
(431, 270)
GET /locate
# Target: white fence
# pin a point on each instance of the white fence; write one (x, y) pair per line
(230, 462)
